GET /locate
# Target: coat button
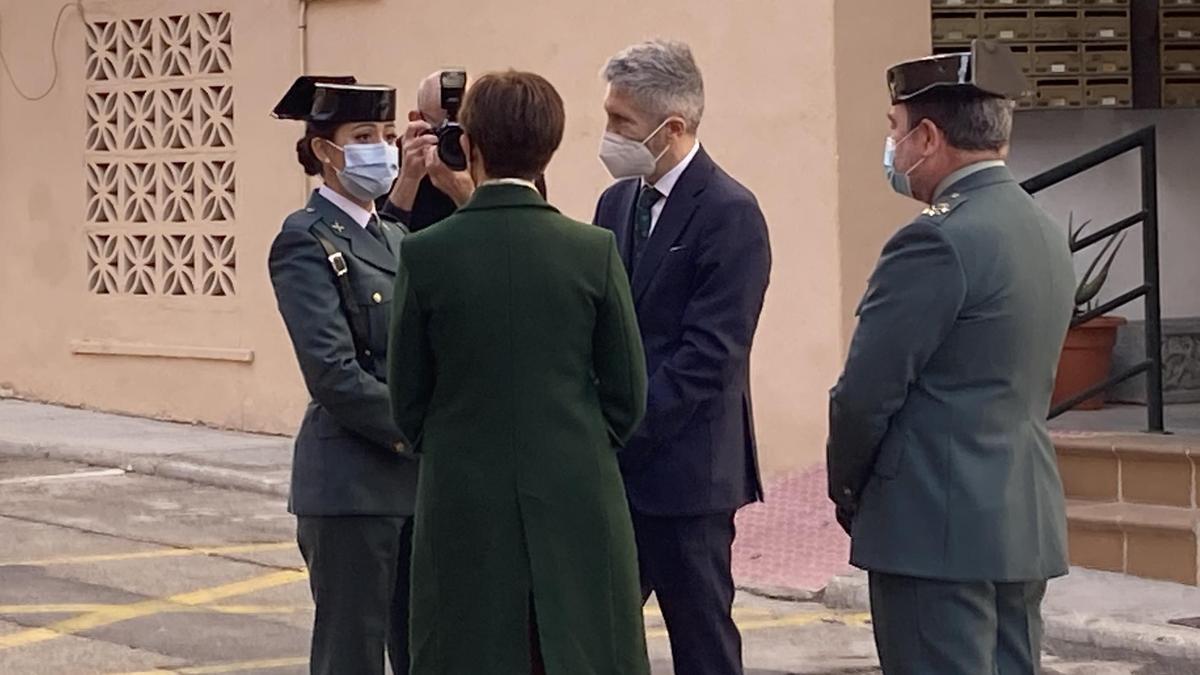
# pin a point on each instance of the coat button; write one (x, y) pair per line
(378, 298)
(847, 491)
(367, 352)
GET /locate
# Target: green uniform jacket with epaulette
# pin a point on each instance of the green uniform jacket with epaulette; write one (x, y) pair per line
(346, 460)
(938, 443)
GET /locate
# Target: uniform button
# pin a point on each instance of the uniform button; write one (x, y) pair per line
(378, 298)
(847, 491)
(310, 210)
(367, 352)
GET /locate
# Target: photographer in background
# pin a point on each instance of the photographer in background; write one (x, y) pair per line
(433, 180)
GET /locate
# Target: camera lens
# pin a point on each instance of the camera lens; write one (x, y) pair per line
(449, 149)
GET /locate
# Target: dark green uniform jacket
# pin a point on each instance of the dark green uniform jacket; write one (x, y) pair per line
(938, 440)
(517, 371)
(346, 462)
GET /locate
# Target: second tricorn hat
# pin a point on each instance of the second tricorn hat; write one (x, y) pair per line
(989, 69)
(339, 98)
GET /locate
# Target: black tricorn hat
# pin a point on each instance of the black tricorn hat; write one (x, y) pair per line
(989, 69)
(316, 98)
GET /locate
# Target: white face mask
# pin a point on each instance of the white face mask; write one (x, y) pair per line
(900, 181)
(627, 158)
(370, 169)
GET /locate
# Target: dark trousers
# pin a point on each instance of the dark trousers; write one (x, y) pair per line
(685, 562)
(924, 626)
(359, 573)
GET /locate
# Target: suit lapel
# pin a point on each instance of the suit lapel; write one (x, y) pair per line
(362, 245)
(676, 215)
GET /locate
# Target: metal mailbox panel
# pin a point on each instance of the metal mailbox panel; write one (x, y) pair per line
(1057, 24)
(1108, 92)
(1063, 93)
(1107, 59)
(955, 26)
(1057, 59)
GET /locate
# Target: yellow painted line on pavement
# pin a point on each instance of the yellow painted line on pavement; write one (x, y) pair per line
(79, 608)
(157, 553)
(239, 667)
(119, 613)
(747, 612)
(788, 621)
(258, 609)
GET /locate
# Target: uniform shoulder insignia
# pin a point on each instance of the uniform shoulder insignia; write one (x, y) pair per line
(945, 206)
(303, 219)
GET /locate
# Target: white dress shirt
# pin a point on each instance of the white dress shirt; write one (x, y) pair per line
(667, 183)
(359, 214)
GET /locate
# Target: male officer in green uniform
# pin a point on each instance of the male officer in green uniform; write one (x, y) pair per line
(333, 267)
(939, 460)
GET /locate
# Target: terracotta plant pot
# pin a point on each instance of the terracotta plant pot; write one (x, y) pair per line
(1086, 360)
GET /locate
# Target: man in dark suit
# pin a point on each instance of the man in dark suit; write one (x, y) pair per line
(939, 459)
(695, 245)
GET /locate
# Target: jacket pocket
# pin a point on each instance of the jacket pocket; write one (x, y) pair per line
(375, 304)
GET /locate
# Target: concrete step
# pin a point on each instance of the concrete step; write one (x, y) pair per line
(1142, 540)
(1133, 503)
(1130, 468)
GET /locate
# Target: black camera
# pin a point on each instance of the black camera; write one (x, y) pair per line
(449, 132)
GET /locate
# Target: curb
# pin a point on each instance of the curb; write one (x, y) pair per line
(1152, 639)
(1159, 640)
(781, 593)
(167, 466)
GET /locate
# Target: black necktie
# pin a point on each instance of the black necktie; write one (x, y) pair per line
(374, 230)
(642, 218)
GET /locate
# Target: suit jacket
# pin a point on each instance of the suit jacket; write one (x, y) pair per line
(346, 462)
(517, 373)
(698, 289)
(938, 445)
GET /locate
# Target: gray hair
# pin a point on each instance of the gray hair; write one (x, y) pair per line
(663, 79)
(970, 122)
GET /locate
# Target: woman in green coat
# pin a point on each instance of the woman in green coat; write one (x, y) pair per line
(517, 372)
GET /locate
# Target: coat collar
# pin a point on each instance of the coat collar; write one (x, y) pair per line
(505, 196)
(991, 175)
(675, 218)
(362, 244)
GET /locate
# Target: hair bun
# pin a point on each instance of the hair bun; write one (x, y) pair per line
(306, 156)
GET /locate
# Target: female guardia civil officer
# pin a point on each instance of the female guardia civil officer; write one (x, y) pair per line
(333, 267)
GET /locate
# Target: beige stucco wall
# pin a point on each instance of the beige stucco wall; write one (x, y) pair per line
(795, 111)
(868, 209)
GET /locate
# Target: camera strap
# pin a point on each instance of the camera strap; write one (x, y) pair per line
(354, 314)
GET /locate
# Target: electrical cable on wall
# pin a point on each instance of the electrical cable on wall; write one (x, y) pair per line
(78, 5)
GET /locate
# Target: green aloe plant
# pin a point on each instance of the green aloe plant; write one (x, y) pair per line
(1097, 272)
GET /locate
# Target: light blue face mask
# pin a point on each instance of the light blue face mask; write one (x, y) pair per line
(370, 169)
(900, 181)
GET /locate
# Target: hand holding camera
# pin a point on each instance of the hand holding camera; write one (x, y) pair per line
(458, 185)
(413, 146)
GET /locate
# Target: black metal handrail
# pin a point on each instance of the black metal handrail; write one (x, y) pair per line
(1144, 140)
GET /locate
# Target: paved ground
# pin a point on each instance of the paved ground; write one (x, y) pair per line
(113, 573)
